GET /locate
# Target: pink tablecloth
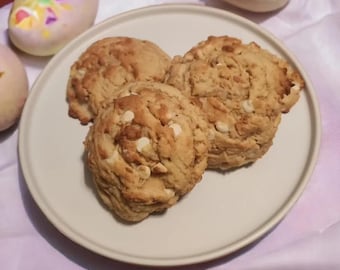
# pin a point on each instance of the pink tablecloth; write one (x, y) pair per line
(308, 238)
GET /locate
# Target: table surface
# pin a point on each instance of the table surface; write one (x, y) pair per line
(308, 237)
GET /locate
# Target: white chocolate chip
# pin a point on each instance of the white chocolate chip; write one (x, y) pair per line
(141, 143)
(222, 127)
(159, 168)
(169, 191)
(113, 158)
(176, 128)
(144, 171)
(81, 73)
(248, 106)
(127, 93)
(295, 87)
(127, 116)
(124, 94)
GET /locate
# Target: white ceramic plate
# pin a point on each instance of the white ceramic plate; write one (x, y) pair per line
(222, 214)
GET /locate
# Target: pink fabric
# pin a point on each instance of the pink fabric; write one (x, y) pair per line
(308, 238)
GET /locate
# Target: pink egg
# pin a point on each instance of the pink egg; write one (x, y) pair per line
(13, 87)
(43, 27)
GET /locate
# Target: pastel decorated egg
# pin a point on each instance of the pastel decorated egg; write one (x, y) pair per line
(43, 27)
(13, 87)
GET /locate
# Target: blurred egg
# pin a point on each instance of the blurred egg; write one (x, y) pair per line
(43, 27)
(13, 87)
(258, 5)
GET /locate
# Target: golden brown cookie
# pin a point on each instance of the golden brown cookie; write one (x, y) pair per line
(146, 150)
(243, 89)
(107, 65)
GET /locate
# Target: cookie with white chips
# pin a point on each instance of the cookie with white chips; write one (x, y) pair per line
(243, 89)
(105, 66)
(146, 150)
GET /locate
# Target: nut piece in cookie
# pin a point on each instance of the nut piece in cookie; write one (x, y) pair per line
(243, 89)
(146, 150)
(107, 65)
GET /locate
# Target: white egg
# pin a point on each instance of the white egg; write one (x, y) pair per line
(43, 27)
(258, 5)
(13, 87)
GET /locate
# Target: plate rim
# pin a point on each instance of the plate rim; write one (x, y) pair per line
(210, 255)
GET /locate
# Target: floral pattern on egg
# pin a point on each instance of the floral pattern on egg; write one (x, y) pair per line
(43, 27)
(38, 12)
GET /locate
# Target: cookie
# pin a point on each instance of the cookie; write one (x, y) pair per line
(146, 150)
(107, 65)
(243, 89)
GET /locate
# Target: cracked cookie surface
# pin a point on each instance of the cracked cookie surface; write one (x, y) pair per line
(243, 89)
(107, 65)
(146, 150)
